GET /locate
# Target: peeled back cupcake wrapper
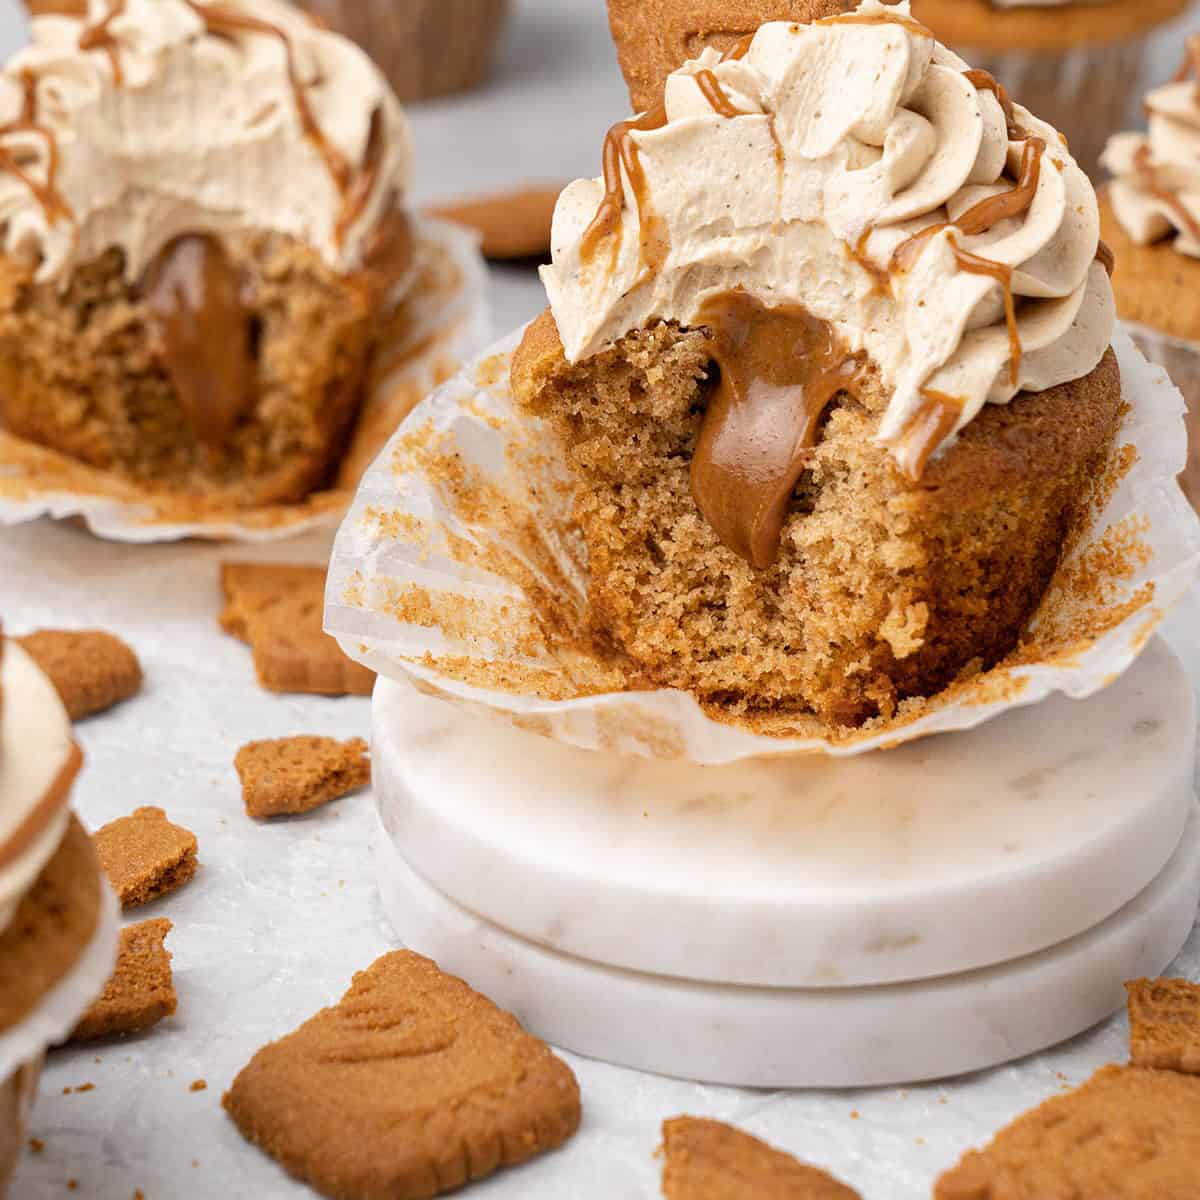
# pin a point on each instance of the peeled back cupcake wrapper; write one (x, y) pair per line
(58, 1012)
(458, 568)
(444, 322)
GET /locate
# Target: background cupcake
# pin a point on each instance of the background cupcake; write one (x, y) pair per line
(425, 47)
(1150, 217)
(1076, 63)
(57, 915)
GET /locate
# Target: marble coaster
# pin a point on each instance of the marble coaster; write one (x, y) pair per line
(789, 1037)
(943, 856)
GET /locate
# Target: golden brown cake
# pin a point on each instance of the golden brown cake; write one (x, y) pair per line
(202, 245)
(797, 493)
(1150, 217)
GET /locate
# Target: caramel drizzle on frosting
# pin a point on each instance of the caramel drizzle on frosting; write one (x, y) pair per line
(53, 203)
(1105, 257)
(778, 371)
(930, 426)
(718, 99)
(100, 37)
(911, 24)
(1149, 178)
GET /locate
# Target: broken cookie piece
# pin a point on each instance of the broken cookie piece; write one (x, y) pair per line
(288, 776)
(279, 611)
(413, 1085)
(1126, 1124)
(709, 1160)
(145, 856)
(1164, 1024)
(141, 991)
(91, 670)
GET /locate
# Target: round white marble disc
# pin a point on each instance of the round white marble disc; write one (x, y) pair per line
(790, 1037)
(939, 857)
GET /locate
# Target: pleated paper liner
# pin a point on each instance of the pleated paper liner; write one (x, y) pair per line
(459, 568)
(440, 324)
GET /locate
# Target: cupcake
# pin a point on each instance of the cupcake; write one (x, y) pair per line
(829, 363)
(426, 47)
(57, 916)
(1077, 63)
(203, 234)
(1150, 216)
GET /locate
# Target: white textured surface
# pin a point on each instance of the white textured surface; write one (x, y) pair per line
(280, 917)
(939, 857)
(805, 1037)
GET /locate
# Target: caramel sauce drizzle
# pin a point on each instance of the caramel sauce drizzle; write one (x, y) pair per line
(718, 99)
(100, 37)
(1105, 257)
(985, 81)
(778, 371)
(1149, 179)
(54, 204)
(195, 298)
(929, 427)
(858, 253)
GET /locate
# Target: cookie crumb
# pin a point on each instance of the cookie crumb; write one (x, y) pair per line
(90, 669)
(1131, 1124)
(145, 856)
(141, 991)
(36, 1145)
(279, 611)
(199, 1085)
(289, 776)
(412, 1085)
(709, 1160)
(1164, 1024)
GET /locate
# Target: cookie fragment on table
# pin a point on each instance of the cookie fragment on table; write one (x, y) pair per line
(279, 611)
(1164, 1025)
(145, 856)
(289, 776)
(709, 1160)
(1128, 1132)
(413, 1085)
(512, 225)
(141, 991)
(91, 670)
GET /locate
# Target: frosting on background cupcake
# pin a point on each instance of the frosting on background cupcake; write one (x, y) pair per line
(149, 119)
(801, 168)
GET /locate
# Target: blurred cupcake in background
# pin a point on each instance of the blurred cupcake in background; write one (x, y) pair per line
(1076, 63)
(1150, 217)
(425, 47)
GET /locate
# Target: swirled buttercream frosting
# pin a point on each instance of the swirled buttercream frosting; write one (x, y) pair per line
(856, 171)
(38, 760)
(139, 121)
(1156, 190)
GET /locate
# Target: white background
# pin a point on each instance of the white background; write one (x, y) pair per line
(280, 916)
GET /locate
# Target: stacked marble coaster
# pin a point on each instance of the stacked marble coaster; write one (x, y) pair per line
(802, 921)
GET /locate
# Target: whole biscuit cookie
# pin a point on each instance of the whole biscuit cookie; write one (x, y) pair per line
(413, 1085)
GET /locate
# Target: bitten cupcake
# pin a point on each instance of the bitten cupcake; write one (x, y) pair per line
(426, 47)
(828, 356)
(1076, 63)
(1150, 216)
(203, 234)
(57, 915)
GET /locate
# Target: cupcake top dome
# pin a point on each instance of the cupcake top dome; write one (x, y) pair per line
(858, 169)
(140, 121)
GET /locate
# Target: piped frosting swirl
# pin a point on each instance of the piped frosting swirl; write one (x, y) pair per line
(145, 120)
(858, 169)
(1156, 190)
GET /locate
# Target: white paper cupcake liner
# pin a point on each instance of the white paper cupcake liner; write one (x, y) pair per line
(58, 1012)
(1181, 360)
(441, 323)
(1086, 93)
(463, 524)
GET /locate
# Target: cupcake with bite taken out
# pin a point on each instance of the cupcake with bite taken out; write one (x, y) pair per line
(203, 234)
(57, 915)
(828, 357)
(1150, 214)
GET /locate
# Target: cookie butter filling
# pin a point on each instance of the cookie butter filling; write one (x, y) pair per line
(826, 199)
(38, 760)
(1156, 192)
